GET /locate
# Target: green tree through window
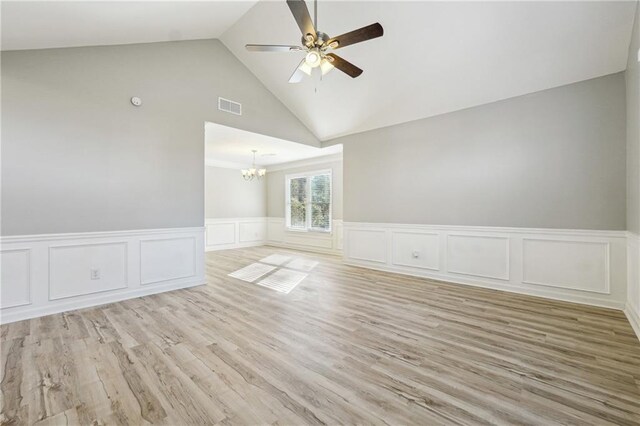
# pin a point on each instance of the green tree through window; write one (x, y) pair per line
(309, 202)
(298, 202)
(320, 202)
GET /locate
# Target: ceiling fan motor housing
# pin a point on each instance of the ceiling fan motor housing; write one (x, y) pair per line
(319, 41)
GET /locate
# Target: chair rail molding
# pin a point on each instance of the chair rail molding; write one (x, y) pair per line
(52, 273)
(582, 266)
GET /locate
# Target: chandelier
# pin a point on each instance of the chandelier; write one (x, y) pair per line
(250, 174)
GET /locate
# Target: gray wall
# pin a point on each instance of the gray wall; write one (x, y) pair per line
(275, 188)
(632, 76)
(551, 159)
(77, 156)
(228, 195)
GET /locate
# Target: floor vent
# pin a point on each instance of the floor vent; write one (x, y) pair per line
(229, 106)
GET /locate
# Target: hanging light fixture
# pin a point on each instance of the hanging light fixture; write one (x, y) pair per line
(253, 172)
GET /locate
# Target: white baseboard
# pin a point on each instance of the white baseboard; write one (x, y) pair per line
(634, 318)
(303, 247)
(233, 233)
(233, 246)
(580, 266)
(101, 299)
(319, 242)
(493, 286)
(45, 274)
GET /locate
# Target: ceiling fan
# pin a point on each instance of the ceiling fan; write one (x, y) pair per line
(318, 45)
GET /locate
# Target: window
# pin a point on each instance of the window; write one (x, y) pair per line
(308, 201)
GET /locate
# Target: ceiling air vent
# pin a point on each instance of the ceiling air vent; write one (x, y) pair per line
(229, 106)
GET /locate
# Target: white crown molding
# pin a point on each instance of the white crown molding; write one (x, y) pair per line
(306, 162)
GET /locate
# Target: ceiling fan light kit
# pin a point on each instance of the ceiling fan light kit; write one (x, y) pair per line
(317, 44)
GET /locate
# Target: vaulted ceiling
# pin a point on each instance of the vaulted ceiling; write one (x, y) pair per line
(49, 24)
(435, 57)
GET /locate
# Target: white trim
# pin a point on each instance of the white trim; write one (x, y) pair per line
(276, 235)
(507, 275)
(320, 242)
(492, 229)
(590, 276)
(607, 248)
(632, 309)
(214, 226)
(394, 261)
(168, 278)
(28, 275)
(95, 300)
(584, 300)
(101, 234)
(77, 265)
(634, 318)
(52, 249)
(332, 158)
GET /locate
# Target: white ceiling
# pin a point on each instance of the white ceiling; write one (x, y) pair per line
(435, 57)
(46, 24)
(231, 147)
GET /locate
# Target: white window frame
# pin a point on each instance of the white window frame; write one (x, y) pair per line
(287, 200)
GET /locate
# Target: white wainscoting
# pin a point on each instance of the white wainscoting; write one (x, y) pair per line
(632, 308)
(322, 242)
(580, 266)
(46, 274)
(230, 233)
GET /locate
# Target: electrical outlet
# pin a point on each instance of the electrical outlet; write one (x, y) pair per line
(95, 274)
(415, 254)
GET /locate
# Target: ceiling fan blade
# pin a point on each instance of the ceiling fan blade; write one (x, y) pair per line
(272, 48)
(303, 18)
(297, 75)
(344, 66)
(357, 36)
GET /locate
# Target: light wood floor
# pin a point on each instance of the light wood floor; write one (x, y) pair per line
(347, 346)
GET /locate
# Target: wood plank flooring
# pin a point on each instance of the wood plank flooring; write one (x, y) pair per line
(347, 346)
